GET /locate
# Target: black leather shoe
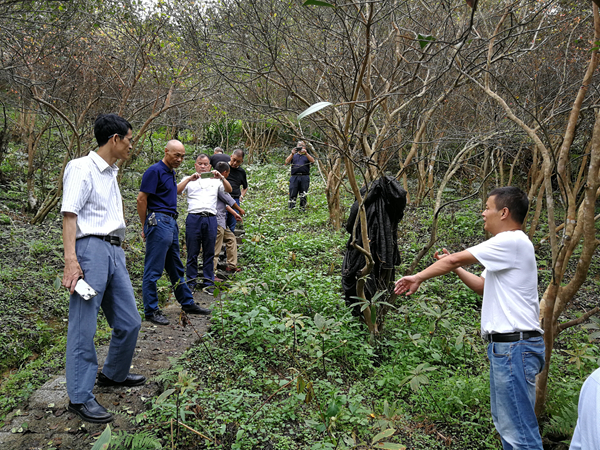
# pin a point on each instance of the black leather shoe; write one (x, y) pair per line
(195, 309)
(91, 411)
(131, 380)
(157, 317)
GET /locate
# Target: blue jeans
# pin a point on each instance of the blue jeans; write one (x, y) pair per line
(200, 231)
(231, 222)
(298, 186)
(513, 367)
(104, 269)
(162, 252)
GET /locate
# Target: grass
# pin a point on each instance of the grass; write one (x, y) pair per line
(290, 367)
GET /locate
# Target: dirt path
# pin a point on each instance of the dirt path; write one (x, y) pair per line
(44, 422)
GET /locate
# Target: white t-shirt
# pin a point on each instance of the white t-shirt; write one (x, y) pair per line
(202, 194)
(587, 431)
(510, 296)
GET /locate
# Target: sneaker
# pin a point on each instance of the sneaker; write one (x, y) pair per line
(218, 280)
(195, 309)
(157, 317)
(210, 290)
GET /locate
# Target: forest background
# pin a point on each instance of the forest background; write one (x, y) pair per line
(451, 98)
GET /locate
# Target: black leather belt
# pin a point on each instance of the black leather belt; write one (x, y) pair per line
(204, 214)
(114, 240)
(511, 337)
(173, 215)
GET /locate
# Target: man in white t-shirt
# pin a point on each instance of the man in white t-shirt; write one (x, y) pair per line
(201, 223)
(509, 316)
(587, 431)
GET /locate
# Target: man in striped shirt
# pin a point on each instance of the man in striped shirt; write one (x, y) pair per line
(93, 229)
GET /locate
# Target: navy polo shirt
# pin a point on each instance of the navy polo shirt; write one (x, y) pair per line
(300, 164)
(159, 182)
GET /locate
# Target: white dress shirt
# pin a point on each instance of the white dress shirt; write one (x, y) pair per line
(90, 191)
(202, 195)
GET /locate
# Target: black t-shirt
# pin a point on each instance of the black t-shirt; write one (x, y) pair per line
(237, 178)
(217, 158)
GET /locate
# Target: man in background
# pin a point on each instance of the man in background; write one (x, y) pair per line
(93, 230)
(239, 185)
(218, 156)
(300, 176)
(226, 204)
(157, 209)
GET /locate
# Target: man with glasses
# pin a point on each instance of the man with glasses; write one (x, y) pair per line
(157, 208)
(93, 229)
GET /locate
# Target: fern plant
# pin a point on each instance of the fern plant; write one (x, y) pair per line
(563, 422)
(143, 440)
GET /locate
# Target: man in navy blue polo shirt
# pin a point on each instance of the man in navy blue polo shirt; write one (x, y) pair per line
(157, 208)
(300, 179)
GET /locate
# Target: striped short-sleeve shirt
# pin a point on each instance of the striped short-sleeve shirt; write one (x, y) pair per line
(90, 190)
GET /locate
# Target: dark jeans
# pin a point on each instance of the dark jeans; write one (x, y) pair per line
(298, 185)
(200, 231)
(162, 252)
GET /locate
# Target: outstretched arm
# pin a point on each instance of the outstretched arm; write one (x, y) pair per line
(445, 265)
(473, 282)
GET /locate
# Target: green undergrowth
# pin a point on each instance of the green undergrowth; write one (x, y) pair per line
(287, 366)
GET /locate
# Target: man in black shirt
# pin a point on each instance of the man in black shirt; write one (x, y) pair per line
(238, 181)
(218, 156)
(300, 179)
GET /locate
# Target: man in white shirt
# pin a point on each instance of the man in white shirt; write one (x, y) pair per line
(93, 229)
(587, 431)
(509, 316)
(201, 223)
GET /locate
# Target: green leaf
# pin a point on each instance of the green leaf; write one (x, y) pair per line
(317, 3)
(313, 109)
(319, 321)
(333, 409)
(57, 283)
(390, 446)
(424, 41)
(164, 396)
(386, 433)
(104, 440)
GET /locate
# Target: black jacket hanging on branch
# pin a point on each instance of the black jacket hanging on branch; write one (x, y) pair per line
(384, 205)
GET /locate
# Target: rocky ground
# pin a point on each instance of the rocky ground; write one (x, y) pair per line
(44, 422)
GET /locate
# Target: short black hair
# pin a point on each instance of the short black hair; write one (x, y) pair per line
(512, 198)
(202, 156)
(107, 125)
(238, 152)
(222, 167)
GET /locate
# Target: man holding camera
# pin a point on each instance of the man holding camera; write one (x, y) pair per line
(202, 193)
(300, 179)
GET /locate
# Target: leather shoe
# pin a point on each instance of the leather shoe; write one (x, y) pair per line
(157, 317)
(233, 269)
(131, 380)
(195, 309)
(91, 411)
